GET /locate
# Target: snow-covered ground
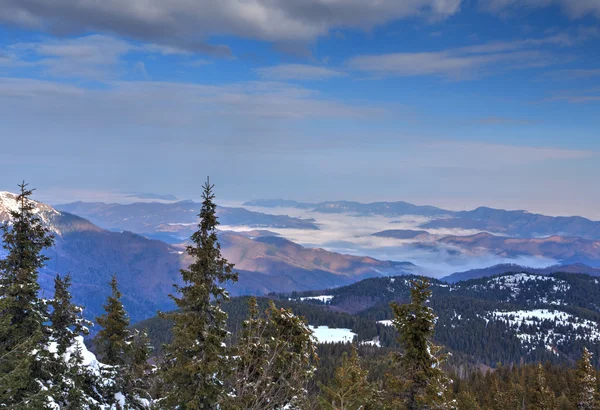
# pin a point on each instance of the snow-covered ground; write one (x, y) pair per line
(322, 298)
(325, 334)
(564, 327)
(386, 322)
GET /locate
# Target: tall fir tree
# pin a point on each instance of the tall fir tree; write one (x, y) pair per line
(542, 397)
(75, 386)
(23, 334)
(420, 383)
(349, 389)
(275, 358)
(197, 357)
(113, 339)
(113, 342)
(587, 393)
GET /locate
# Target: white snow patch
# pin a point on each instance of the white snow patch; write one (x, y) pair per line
(322, 298)
(325, 334)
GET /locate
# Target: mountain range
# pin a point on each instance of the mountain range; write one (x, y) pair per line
(176, 221)
(147, 268)
(520, 224)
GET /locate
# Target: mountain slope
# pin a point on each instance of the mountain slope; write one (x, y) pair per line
(503, 268)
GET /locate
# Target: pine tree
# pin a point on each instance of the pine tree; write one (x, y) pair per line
(275, 358)
(197, 356)
(586, 382)
(421, 383)
(349, 389)
(542, 397)
(23, 335)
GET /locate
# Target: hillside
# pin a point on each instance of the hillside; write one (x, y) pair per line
(503, 268)
(510, 318)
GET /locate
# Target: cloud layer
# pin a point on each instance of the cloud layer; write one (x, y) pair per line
(189, 24)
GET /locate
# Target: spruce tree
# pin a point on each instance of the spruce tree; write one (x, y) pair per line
(349, 389)
(542, 397)
(420, 383)
(112, 343)
(587, 395)
(197, 356)
(74, 385)
(113, 339)
(23, 334)
(275, 358)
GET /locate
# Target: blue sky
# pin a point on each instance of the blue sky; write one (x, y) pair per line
(446, 102)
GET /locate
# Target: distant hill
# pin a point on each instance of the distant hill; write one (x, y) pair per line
(508, 319)
(504, 268)
(173, 222)
(520, 224)
(375, 208)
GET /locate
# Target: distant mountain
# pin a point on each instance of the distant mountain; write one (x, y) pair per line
(508, 318)
(173, 222)
(375, 208)
(567, 250)
(147, 269)
(504, 268)
(520, 224)
(404, 234)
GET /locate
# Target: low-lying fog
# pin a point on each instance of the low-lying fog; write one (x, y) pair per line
(346, 233)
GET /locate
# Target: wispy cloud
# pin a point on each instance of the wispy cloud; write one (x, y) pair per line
(463, 62)
(573, 8)
(576, 96)
(298, 72)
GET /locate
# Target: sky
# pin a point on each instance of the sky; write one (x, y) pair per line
(454, 103)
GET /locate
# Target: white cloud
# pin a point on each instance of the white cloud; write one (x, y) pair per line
(298, 72)
(189, 23)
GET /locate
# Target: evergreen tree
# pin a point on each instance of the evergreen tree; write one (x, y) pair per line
(138, 370)
(197, 357)
(586, 382)
(23, 335)
(542, 397)
(112, 341)
(274, 361)
(420, 383)
(74, 385)
(349, 389)
(66, 317)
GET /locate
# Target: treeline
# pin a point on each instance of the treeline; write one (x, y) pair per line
(208, 361)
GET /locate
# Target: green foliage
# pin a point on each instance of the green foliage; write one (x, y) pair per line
(197, 357)
(349, 389)
(112, 340)
(418, 383)
(587, 393)
(274, 361)
(23, 335)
